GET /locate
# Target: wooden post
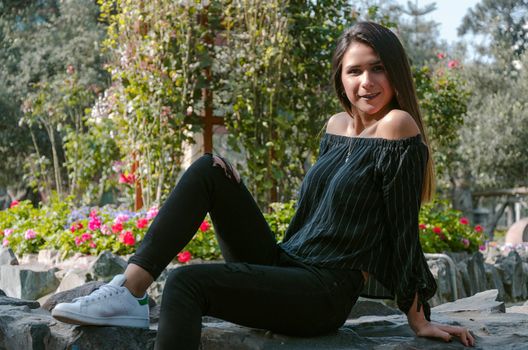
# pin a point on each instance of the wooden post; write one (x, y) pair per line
(209, 120)
(138, 194)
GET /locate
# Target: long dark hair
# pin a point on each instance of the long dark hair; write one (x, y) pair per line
(392, 54)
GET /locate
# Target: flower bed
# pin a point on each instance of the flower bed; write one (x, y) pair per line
(59, 226)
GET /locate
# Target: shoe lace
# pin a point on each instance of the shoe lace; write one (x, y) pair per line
(104, 291)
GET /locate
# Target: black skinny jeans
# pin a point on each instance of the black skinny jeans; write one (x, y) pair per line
(259, 285)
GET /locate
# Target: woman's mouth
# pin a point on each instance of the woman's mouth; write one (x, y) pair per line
(369, 96)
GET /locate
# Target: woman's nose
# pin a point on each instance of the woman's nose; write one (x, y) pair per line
(366, 79)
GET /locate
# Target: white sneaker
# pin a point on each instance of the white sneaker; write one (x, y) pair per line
(110, 305)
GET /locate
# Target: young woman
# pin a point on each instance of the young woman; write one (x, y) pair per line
(355, 231)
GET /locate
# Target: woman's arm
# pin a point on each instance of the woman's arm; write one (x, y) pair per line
(424, 328)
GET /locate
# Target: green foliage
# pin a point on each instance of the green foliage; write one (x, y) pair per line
(444, 229)
(39, 41)
(157, 60)
(443, 95)
(279, 217)
(204, 244)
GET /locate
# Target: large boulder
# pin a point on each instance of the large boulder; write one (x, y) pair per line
(68, 295)
(483, 302)
(23, 326)
(513, 277)
(107, 265)
(494, 280)
(27, 281)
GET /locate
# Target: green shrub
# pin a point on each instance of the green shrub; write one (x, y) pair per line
(91, 230)
(443, 228)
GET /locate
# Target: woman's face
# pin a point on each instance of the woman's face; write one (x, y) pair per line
(365, 81)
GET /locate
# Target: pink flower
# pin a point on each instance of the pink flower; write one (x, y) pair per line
(482, 248)
(205, 226)
(105, 230)
(453, 64)
(479, 228)
(92, 245)
(30, 234)
(465, 242)
(5, 242)
(78, 241)
(93, 213)
(94, 223)
(125, 178)
(142, 223)
(422, 226)
(184, 257)
(127, 238)
(14, 204)
(440, 55)
(152, 212)
(86, 237)
(437, 230)
(121, 218)
(117, 227)
(464, 221)
(8, 232)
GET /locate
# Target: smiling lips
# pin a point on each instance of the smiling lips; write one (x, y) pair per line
(369, 96)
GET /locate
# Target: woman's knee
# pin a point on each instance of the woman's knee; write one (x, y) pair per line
(209, 161)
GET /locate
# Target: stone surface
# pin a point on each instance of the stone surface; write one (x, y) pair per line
(27, 281)
(30, 329)
(107, 265)
(512, 274)
(369, 307)
(73, 278)
(494, 281)
(484, 302)
(476, 273)
(7, 257)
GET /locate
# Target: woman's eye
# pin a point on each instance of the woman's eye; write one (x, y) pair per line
(354, 72)
(378, 69)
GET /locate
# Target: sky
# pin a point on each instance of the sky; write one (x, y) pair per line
(448, 13)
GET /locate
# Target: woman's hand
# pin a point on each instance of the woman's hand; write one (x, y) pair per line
(445, 332)
(424, 328)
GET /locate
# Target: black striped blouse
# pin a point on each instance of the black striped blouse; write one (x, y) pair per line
(358, 209)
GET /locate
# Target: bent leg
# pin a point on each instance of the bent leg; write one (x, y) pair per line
(205, 186)
(288, 300)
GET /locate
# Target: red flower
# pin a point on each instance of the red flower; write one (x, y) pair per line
(440, 55)
(453, 64)
(14, 204)
(479, 228)
(464, 221)
(205, 226)
(184, 257)
(76, 226)
(117, 227)
(422, 226)
(126, 178)
(142, 223)
(437, 230)
(127, 238)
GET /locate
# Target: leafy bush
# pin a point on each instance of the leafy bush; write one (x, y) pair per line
(91, 230)
(443, 228)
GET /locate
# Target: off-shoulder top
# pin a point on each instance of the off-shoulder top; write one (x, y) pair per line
(358, 209)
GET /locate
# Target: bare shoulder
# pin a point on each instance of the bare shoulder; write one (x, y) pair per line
(338, 123)
(397, 124)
